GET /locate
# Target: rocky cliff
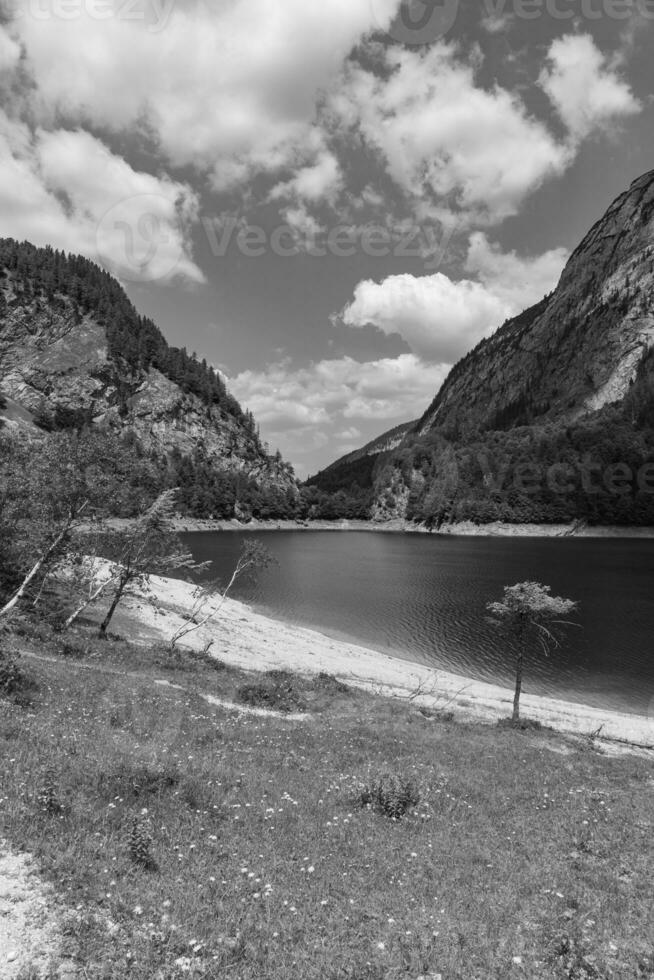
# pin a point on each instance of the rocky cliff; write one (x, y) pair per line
(73, 350)
(578, 349)
(565, 391)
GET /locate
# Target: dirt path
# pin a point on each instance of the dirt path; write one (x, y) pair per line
(29, 930)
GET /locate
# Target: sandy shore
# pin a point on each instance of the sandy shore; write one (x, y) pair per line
(465, 528)
(247, 639)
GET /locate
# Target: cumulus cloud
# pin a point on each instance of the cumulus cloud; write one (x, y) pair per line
(334, 395)
(320, 181)
(444, 138)
(229, 86)
(515, 280)
(586, 91)
(67, 189)
(330, 396)
(441, 319)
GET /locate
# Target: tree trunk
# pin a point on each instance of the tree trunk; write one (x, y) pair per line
(112, 609)
(87, 602)
(34, 571)
(518, 687)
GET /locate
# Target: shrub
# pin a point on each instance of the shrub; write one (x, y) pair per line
(48, 797)
(74, 648)
(14, 682)
(390, 794)
(274, 693)
(330, 684)
(140, 842)
(130, 781)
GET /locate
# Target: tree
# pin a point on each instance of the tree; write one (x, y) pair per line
(253, 556)
(147, 546)
(52, 490)
(529, 613)
(43, 500)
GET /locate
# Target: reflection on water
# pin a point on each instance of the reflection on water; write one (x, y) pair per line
(423, 599)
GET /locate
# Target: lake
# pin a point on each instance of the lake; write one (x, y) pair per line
(422, 598)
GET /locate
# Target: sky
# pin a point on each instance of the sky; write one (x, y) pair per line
(331, 201)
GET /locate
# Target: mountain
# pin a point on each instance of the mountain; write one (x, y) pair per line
(74, 351)
(552, 417)
(578, 349)
(357, 467)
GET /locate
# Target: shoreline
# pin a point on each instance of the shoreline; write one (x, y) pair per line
(242, 637)
(399, 526)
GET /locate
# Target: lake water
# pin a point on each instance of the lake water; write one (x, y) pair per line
(423, 598)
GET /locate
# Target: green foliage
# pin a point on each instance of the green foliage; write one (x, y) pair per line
(13, 679)
(48, 796)
(140, 841)
(275, 692)
(390, 794)
(530, 604)
(210, 490)
(48, 487)
(531, 615)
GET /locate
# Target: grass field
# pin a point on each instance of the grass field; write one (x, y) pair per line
(185, 839)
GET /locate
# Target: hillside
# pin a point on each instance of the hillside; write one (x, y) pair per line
(577, 350)
(74, 351)
(551, 418)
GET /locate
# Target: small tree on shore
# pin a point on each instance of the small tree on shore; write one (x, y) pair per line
(209, 599)
(146, 546)
(530, 614)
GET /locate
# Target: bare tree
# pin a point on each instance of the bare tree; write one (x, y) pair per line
(146, 546)
(253, 556)
(529, 613)
(89, 578)
(51, 551)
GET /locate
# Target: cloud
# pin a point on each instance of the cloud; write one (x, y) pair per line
(443, 138)
(321, 181)
(338, 403)
(587, 93)
(332, 395)
(227, 87)
(441, 319)
(519, 282)
(67, 189)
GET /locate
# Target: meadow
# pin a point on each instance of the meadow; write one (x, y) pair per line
(185, 838)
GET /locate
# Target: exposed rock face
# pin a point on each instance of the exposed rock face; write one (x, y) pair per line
(577, 350)
(567, 383)
(52, 358)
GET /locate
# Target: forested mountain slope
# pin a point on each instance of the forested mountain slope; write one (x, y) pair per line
(74, 351)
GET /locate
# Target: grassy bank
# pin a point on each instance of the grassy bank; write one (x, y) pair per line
(261, 856)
